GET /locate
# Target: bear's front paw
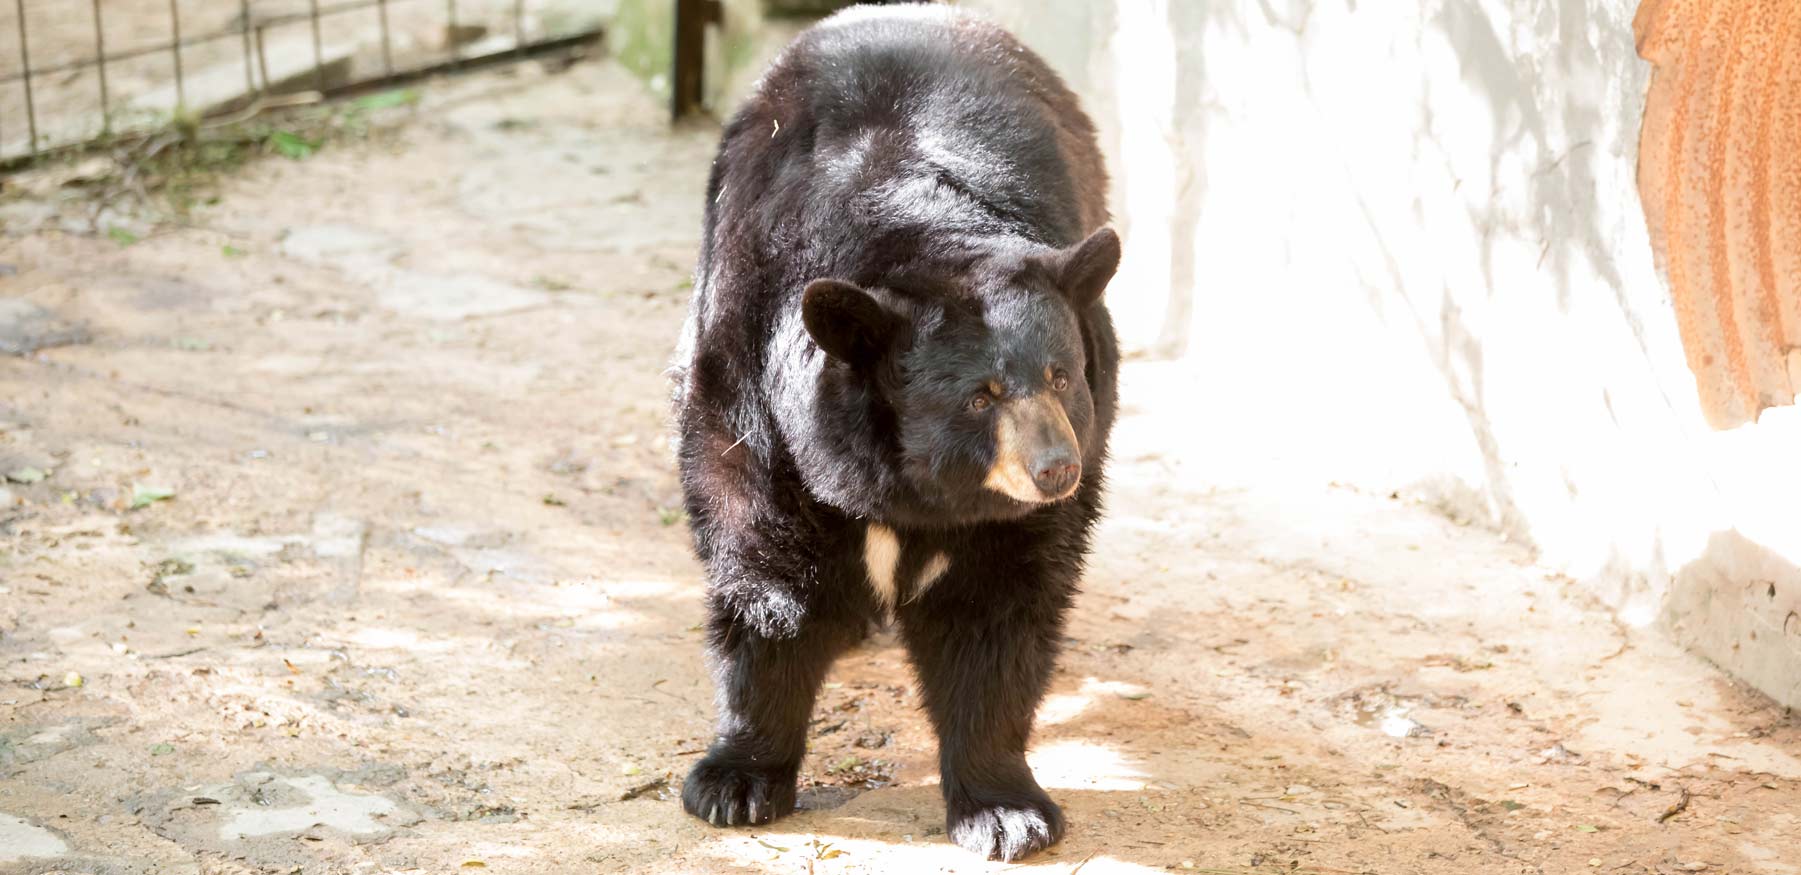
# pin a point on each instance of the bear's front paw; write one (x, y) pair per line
(1005, 829)
(725, 792)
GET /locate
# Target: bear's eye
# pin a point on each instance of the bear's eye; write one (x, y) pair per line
(1060, 381)
(980, 402)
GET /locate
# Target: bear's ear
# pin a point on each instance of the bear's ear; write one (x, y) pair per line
(846, 322)
(1082, 271)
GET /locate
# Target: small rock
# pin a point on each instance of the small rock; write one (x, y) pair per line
(26, 474)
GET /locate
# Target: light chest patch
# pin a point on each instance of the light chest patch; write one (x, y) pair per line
(882, 554)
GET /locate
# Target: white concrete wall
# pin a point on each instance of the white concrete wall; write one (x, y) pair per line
(1399, 246)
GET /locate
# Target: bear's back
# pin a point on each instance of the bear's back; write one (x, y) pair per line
(883, 127)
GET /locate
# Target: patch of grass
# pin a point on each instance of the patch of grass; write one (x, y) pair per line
(386, 99)
(144, 495)
(292, 146)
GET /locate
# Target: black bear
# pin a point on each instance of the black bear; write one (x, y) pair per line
(893, 396)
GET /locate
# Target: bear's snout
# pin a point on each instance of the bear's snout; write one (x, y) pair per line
(1056, 472)
(1036, 455)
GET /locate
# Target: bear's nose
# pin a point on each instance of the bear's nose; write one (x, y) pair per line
(1056, 471)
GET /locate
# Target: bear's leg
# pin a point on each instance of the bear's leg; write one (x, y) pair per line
(766, 680)
(983, 665)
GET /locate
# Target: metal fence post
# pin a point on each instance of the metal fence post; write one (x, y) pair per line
(688, 84)
(318, 47)
(387, 42)
(249, 63)
(181, 94)
(106, 110)
(31, 118)
(450, 29)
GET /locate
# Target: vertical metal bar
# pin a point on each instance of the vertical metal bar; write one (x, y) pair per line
(387, 43)
(106, 114)
(181, 94)
(318, 50)
(685, 15)
(519, 28)
(688, 79)
(262, 55)
(450, 30)
(249, 63)
(31, 115)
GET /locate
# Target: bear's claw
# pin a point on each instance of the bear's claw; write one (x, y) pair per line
(726, 794)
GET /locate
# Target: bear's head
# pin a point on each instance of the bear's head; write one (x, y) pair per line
(980, 377)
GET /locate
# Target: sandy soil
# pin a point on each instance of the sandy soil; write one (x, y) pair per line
(419, 602)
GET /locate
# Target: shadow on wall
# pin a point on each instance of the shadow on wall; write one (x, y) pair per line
(1143, 75)
(1191, 114)
(1548, 114)
(1739, 605)
(1269, 156)
(1552, 123)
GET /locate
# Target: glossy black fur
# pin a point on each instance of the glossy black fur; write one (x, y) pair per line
(929, 159)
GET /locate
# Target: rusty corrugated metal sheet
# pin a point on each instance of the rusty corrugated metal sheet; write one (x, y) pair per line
(1719, 172)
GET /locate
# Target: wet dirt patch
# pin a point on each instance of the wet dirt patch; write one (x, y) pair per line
(21, 840)
(272, 818)
(31, 743)
(26, 328)
(1383, 709)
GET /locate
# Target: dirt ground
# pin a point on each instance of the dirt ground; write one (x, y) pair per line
(340, 538)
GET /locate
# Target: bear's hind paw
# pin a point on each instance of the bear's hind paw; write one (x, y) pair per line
(1005, 831)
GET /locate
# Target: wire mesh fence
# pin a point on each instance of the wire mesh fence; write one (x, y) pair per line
(85, 70)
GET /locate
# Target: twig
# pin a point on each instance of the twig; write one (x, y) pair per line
(641, 789)
(1680, 806)
(1084, 862)
(188, 652)
(1270, 807)
(255, 109)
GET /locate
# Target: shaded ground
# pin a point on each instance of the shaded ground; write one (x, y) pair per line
(419, 602)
